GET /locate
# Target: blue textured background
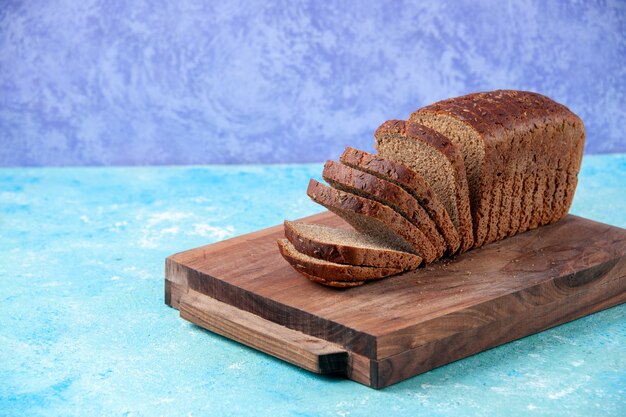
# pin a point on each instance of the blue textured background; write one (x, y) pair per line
(164, 82)
(84, 330)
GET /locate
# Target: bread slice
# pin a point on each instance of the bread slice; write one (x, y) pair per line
(522, 152)
(411, 182)
(374, 219)
(346, 247)
(330, 271)
(335, 284)
(434, 157)
(345, 178)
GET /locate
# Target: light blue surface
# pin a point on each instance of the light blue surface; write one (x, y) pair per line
(84, 331)
(99, 82)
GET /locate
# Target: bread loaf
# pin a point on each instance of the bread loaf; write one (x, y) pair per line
(522, 153)
(458, 174)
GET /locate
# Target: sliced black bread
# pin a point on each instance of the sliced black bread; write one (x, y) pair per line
(410, 181)
(374, 219)
(335, 284)
(434, 157)
(346, 247)
(330, 271)
(345, 178)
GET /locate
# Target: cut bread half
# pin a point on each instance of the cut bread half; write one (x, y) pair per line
(410, 181)
(346, 247)
(330, 271)
(374, 219)
(434, 157)
(513, 143)
(345, 178)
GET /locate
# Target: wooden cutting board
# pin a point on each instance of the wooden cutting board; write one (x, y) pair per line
(389, 330)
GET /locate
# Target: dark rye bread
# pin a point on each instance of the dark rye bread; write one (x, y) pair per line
(345, 178)
(335, 284)
(330, 271)
(438, 160)
(346, 247)
(411, 182)
(374, 219)
(522, 153)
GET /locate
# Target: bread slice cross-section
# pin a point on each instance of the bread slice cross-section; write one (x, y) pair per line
(345, 178)
(374, 219)
(330, 272)
(346, 247)
(438, 160)
(410, 181)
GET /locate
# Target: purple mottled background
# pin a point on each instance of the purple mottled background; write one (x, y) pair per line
(95, 82)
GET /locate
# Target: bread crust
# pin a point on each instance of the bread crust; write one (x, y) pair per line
(410, 181)
(330, 271)
(347, 254)
(341, 201)
(334, 284)
(348, 179)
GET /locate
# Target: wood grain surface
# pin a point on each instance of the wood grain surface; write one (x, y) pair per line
(295, 347)
(404, 325)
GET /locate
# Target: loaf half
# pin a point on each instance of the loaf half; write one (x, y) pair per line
(329, 271)
(374, 219)
(346, 247)
(522, 153)
(411, 182)
(434, 157)
(345, 178)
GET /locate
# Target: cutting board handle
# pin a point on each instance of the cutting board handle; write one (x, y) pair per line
(306, 351)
